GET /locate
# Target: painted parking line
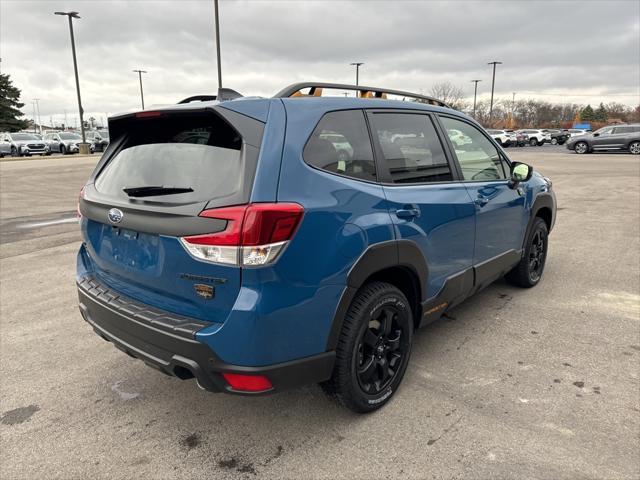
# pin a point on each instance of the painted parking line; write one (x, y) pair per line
(49, 223)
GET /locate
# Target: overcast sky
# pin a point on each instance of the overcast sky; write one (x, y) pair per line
(578, 51)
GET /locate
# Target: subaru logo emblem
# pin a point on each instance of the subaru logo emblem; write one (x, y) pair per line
(115, 215)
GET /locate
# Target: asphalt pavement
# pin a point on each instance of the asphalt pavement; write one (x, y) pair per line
(540, 383)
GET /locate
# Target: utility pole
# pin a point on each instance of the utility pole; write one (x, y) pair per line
(140, 72)
(475, 95)
(217, 22)
(84, 147)
(357, 65)
(33, 103)
(493, 83)
(37, 100)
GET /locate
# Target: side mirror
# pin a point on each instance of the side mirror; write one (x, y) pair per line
(520, 172)
(596, 134)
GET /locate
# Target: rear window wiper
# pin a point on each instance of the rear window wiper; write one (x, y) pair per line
(153, 190)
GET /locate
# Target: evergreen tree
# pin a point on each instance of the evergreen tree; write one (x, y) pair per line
(10, 106)
(600, 115)
(587, 113)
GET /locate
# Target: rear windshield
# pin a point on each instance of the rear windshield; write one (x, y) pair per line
(199, 151)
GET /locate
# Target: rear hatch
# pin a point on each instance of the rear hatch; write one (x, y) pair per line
(162, 170)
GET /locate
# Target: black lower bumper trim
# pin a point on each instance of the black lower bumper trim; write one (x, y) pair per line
(175, 354)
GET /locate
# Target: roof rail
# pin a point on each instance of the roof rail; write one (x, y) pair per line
(363, 92)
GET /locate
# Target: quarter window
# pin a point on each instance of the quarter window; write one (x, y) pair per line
(340, 144)
(411, 148)
(477, 156)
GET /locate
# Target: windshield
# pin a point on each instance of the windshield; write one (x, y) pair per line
(104, 133)
(70, 136)
(604, 130)
(24, 136)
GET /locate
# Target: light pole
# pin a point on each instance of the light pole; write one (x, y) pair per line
(140, 72)
(357, 65)
(493, 83)
(215, 5)
(33, 102)
(475, 95)
(37, 100)
(84, 148)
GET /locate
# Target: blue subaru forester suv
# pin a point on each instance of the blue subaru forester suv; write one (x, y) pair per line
(260, 244)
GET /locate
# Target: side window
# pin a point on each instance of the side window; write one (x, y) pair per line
(478, 158)
(411, 148)
(340, 144)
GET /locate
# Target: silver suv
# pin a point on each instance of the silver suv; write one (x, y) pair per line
(612, 137)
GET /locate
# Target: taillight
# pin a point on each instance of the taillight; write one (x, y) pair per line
(148, 114)
(255, 234)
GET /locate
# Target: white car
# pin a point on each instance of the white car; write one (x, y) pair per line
(574, 132)
(458, 138)
(504, 138)
(537, 137)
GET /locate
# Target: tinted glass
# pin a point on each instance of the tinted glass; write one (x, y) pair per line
(70, 136)
(340, 144)
(197, 151)
(477, 156)
(626, 129)
(411, 148)
(24, 136)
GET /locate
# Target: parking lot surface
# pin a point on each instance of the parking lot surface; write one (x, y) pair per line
(540, 383)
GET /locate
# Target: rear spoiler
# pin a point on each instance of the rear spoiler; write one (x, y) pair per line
(224, 94)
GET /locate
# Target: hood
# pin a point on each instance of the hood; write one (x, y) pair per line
(582, 136)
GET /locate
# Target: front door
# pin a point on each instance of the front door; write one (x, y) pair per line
(427, 204)
(500, 209)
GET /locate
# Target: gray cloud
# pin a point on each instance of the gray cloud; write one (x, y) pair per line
(579, 47)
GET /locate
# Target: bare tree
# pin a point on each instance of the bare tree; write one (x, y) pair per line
(450, 94)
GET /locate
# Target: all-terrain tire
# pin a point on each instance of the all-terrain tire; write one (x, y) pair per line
(529, 270)
(364, 352)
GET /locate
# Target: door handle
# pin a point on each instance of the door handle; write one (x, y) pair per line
(409, 212)
(481, 201)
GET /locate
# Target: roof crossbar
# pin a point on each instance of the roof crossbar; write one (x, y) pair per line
(315, 90)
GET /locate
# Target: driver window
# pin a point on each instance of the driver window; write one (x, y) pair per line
(478, 157)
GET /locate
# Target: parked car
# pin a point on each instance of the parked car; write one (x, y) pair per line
(66, 142)
(613, 137)
(100, 139)
(260, 261)
(522, 139)
(21, 144)
(558, 137)
(537, 137)
(458, 138)
(503, 137)
(574, 132)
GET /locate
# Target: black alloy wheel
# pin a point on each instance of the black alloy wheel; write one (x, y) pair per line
(537, 253)
(528, 272)
(373, 348)
(380, 351)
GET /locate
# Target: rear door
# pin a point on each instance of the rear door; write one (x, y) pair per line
(499, 209)
(146, 196)
(427, 204)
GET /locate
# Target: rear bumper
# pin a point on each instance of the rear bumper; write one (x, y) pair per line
(167, 343)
